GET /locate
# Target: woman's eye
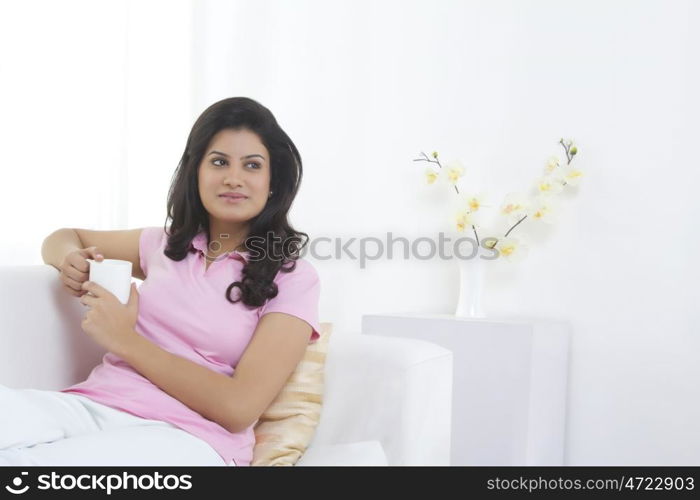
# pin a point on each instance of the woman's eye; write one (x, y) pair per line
(256, 165)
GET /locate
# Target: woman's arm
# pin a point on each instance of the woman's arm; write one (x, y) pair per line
(235, 403)
(203, 390)
(59, 244)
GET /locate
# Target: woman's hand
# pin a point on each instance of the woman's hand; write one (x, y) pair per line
(74, 270)
(109, 322)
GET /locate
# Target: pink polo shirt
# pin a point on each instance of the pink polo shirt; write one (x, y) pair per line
(184, 310)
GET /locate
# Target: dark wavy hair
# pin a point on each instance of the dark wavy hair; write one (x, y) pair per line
(273, 244)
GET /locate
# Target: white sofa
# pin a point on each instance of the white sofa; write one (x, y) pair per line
(387, 400)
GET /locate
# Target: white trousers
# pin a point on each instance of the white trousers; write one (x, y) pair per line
(39, 427)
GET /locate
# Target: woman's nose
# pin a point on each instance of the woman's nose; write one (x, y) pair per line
(233, 175)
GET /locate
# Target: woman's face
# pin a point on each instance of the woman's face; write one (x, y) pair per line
(235, 161)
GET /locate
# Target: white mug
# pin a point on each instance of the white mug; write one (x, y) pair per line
(114, 275)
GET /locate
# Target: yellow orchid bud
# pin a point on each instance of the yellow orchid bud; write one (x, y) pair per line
(435, 154)
(573, 151)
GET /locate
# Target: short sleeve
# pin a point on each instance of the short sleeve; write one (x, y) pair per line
(149, 242)
(298, 294)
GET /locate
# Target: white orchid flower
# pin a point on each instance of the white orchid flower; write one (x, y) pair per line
(465, 220)
(431, 175)
(544, 209)
(550, 184)
(511, 249)
(473, 202)
(515, 206)
(552, 163)
(571, 175)
(453, 171)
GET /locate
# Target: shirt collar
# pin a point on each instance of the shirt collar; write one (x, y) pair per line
(200, 241)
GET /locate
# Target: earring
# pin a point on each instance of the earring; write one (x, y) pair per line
(270, 194)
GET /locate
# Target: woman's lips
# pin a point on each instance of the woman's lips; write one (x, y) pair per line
(232, 199)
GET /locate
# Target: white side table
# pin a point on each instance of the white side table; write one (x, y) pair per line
(509, 386)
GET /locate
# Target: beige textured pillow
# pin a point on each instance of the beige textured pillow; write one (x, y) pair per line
(285, 429)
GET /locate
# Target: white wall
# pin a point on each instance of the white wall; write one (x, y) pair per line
(363, 87)
(95, 108)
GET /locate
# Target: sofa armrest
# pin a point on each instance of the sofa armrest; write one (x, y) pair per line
(42, 345)
(393, 390)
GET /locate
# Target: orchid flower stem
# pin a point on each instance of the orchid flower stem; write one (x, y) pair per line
(477, 236)
(506, 235)
(566, 150)
(427, 159)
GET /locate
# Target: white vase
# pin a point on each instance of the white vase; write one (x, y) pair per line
(471, 283)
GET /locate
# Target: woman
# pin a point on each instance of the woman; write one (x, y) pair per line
(220, 322)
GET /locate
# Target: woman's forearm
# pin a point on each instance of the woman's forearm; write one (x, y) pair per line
(213, 395)
(59, 244)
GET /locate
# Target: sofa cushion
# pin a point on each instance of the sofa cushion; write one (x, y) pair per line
(286, 427)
